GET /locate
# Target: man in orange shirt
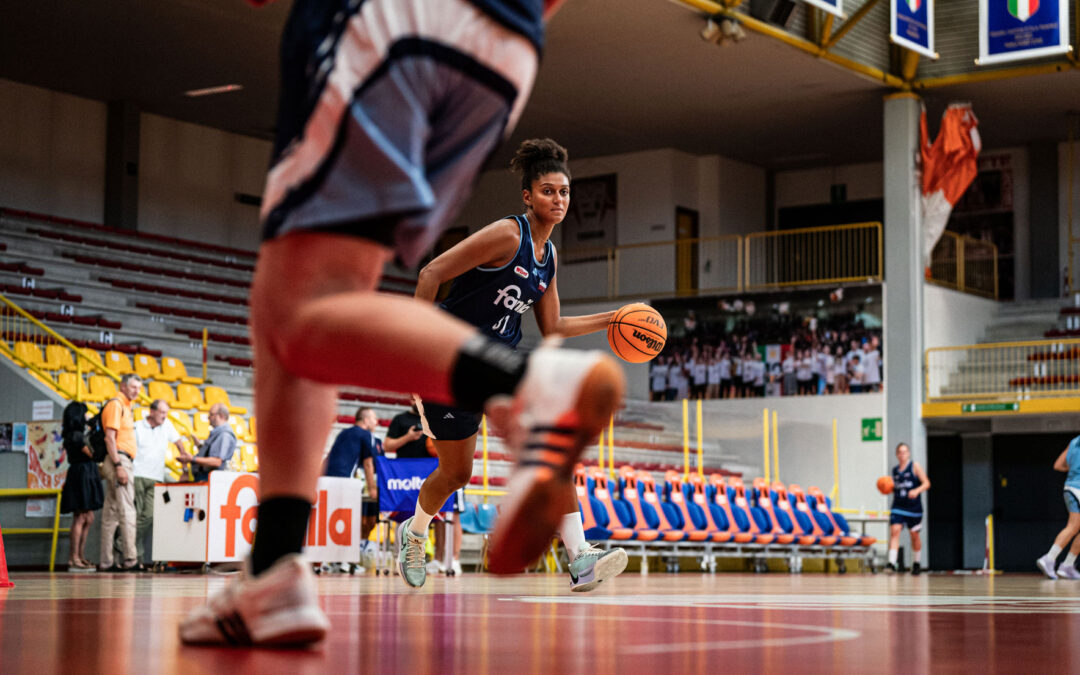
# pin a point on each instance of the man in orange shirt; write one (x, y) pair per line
(119, 509)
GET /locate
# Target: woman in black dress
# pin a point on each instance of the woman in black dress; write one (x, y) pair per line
(83, 493)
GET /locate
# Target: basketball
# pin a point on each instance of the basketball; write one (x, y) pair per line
(637, 333)
(885, 485)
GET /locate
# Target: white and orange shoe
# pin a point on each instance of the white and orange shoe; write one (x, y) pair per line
(565, 399)
(276, 608)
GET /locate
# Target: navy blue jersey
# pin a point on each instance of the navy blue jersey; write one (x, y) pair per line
(904, 481)
(494, 298)
(521, 16)
(351, 447)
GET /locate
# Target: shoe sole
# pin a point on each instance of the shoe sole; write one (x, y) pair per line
(1042, 568)
(608, 567)
(400, 565)
(531, 513)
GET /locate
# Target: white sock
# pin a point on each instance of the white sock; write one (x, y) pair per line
(573, 533)
(1055, 551)
(420, 522)
(1070, 560)
(893, 554)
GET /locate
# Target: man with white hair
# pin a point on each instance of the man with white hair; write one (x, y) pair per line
(153, 434)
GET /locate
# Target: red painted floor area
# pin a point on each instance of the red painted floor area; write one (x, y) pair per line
(658, 624)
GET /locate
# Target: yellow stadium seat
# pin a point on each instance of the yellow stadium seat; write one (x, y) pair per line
(184, 425)
(173, 370)
(69, 383)
(240, 428)
(58, 357)
(89, 357)
(138, 412)
(146, 367)
(219, 395)
(161, 390)
(118, 362)
(189, 397)
(102, 388)
(29, 353)
(251, 430)
(202, 426)
(249, 458)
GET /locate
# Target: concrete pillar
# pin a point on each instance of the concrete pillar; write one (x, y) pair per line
(122, 165)
(977, 468)
(903, 344)
(1046, 261)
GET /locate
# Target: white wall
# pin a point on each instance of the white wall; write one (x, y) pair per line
(188, 175)
(806, 187)
(52, 152)
(1063, 207)
(954, 318)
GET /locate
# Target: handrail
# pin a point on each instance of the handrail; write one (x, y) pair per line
(1003, 371)
(55, 530)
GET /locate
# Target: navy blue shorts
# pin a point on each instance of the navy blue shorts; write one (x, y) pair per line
(913, 523)
(388, 111)
(369, 509)
(451, 424)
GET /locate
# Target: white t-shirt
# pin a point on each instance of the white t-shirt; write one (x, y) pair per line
(659, 376)
(829, 366)
(701, 373)
(674, 376)
(759, 373)
(748, 370)
(714, 372)
(815, 363)
(789, 364)
(803, 371)
(871, 361)
(857, 372)
(839, 366)
(725, 368)
(151, 448)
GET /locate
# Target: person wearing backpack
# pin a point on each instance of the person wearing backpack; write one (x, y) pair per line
(82, 493)
(118, 421)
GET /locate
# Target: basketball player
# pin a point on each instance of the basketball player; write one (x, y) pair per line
(909, 482)
(499, 273)
(388, 110)
(1067, 462)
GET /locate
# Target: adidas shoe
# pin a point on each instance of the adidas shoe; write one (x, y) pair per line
(277, 607)
(1067, 572)
(564, 400)
(1046, 565)
(592, 566)
(411, 556)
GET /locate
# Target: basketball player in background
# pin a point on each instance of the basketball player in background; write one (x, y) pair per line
(1068, 462)
(388, 110)
(499, 273)
(909, 482)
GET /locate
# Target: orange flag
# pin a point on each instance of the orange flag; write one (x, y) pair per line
(949, 164)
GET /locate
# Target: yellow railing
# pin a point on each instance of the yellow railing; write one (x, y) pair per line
(965, 264)
(1004, 371)
(813, 256)
(55, 530)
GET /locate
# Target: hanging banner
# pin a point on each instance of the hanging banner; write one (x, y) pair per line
(911, 25)
(1011, 30)
(831, 6)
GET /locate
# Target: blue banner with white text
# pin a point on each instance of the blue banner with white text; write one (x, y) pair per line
(834, 7)
(911, 25)
(1011, 30)
(400, 480)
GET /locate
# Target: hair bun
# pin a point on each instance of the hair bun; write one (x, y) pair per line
(537, 156)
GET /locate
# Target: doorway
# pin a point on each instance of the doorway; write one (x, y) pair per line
(686, 251)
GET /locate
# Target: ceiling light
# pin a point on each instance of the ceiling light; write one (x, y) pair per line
(711, 31)
(209, 91)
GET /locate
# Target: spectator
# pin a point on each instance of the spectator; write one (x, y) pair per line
(758, 369)
(153, 434)
(855, 374)
(82, 493)
(712, 389)
(828, 367)
(218, 448)
(817, 377)
(355, 448)
(788, 369)
(118, 512)
(840, 371)
(871, 362)
(699, 371)
(803, 374)
(405, 437)
(726, 386)
(658, 372)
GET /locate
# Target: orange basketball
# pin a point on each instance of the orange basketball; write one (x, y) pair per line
(885, 485)
(637, 333)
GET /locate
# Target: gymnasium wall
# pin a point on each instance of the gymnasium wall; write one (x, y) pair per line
(969, 315)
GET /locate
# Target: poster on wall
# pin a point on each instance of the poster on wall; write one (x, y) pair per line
(589, 226)
(834, 7)
(18, 437)
(1012, 30)
(46, 465)
(5, 437)
(911, 25)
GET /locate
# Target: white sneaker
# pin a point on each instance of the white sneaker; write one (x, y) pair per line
(436, 567)
(565, 399)
(277, 607)
(455, 569)
(1046, 564)
(1067, 572)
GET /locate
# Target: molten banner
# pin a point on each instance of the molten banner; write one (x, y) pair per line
(1010, 30)
(400, 481)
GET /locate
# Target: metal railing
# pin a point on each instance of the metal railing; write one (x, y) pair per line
(965, 264)
(813, 256)
(1004, 371)
(55, 530)
(733, 263)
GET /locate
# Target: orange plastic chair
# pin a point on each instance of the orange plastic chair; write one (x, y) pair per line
(720, 498)
(676, 497)
(782, 502)
(736, 485)
(765, 503)
(803, 507)
(846, 538)
(639, 489)
(719, 534)
(596, 522)
(602, 492)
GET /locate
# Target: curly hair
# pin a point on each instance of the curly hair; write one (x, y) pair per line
(536, 157)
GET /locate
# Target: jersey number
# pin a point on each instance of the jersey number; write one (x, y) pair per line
(501, 325)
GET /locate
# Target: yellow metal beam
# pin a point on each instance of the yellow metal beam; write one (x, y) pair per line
(992, 75)
(855, 18)
(909, 65)
(1025, 407)
(826, 30)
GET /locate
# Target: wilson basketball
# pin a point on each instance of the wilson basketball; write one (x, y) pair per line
(885, 485)
(637, 333)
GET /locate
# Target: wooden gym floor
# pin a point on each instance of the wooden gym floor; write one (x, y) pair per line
(658, 624)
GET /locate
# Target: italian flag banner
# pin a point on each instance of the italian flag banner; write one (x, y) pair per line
(949, 164)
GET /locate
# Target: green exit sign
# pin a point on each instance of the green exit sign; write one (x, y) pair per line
(871, 429)
(989, 407)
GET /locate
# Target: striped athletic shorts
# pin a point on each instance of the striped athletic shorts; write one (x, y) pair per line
(389, 108)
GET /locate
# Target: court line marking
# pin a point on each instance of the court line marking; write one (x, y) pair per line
(952, 604)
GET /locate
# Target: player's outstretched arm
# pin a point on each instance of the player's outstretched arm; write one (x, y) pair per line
(492, 246)
(551, 321)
